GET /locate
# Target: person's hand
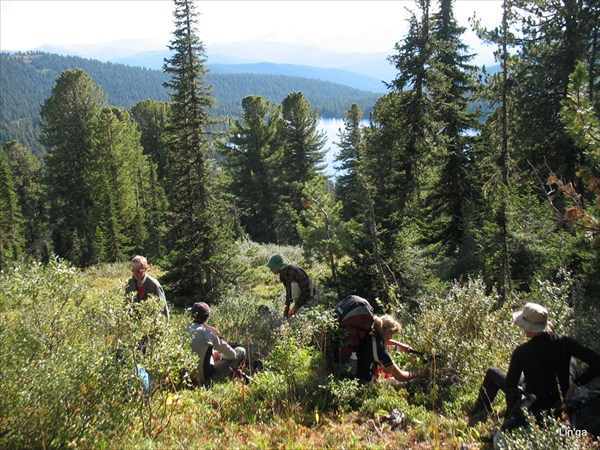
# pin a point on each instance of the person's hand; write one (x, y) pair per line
(405, 348)
(419, 373)
(293, 311)
(217, 356)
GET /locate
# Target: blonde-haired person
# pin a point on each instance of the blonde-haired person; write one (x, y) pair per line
(141, 284)
(373, 355)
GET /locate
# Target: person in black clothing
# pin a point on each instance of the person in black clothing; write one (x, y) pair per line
(542, 366)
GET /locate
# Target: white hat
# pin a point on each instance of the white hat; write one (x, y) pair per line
(533, 318)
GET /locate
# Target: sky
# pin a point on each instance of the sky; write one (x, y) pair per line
(338, 25)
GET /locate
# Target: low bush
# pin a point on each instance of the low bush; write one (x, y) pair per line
(466, 333)
(69, 360)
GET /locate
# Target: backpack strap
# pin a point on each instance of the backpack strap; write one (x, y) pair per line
(374, 346)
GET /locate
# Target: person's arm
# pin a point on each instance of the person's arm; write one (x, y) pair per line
(513, 375)
(384, 359)
(163, 298)
(400, 345)
(225, 350)
(403, 375)
(588, 356)
(288, 294)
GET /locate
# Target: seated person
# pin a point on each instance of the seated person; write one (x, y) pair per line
(217, 359)
(541, 366)
(373, 355)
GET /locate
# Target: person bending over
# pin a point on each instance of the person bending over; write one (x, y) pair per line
(299, 288)
(373, 355)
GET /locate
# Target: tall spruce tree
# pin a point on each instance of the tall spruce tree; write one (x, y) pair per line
(118, 161)
(12, 239)
(498, 141)
(200, 229)
(303, 157)
(351, 145)
(27, 176)
(369, 154)
(253, 155)
(583, 124)
(554, 37)
(451, 86)
(68, 120)
(397, 165)
(415, 155)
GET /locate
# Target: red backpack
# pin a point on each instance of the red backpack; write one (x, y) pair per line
(355, 319)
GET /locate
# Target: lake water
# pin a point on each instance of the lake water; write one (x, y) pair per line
(331, 127)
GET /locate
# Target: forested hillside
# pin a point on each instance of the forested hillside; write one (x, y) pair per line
(336, 76)
(27, 78)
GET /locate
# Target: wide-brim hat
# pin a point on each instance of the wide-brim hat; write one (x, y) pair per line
(533, 318)
(276, 262)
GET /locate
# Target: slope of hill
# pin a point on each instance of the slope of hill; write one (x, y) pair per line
(359, 70)
(337, 76)
(373, 65)
(27, 80)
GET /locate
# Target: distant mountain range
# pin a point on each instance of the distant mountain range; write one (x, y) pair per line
(364, 71)
(358, 70)
(338, 76)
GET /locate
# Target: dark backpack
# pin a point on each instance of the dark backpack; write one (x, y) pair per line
(355, 319)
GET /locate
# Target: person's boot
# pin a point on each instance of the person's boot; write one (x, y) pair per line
(478, 413)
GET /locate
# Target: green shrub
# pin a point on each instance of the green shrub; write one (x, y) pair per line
(466, 333)
(346, 394)
(379, 398)
(69, 356)
(254, 258)
(71, 345)
(238, 318)
(58, 381)
(556, 297)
